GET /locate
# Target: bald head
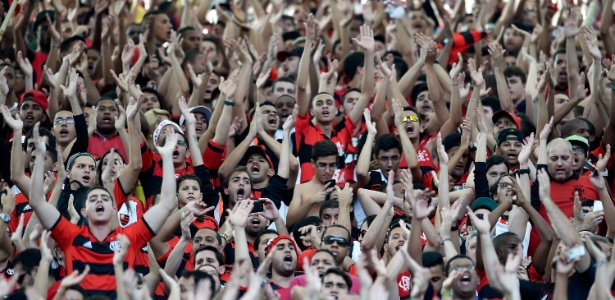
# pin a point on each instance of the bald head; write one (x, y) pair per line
(559, 155)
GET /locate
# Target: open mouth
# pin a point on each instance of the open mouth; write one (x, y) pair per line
(409, 128)
(563, 75)
(199, 128)
(63, 133)
(240, 194)
(86, 178)
(465, 279)
(288, 259)
(29, 117)
(175, 154)
(256, 223)
(325, 113)
(100, 209)
(511, 156)
(106, 120)
(255, 168)
(271, 121)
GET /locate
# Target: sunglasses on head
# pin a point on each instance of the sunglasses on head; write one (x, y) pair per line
(329, 240)
(410, 118)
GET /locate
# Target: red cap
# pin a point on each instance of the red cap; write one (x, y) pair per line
(462, 41)
(503, 113)
(283, 237)
(37, 96)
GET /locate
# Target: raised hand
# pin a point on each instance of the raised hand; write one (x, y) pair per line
(291, 120)
(4, 87)
(345, 195)
(166, 151)
(188, 116)
(371, 126)
(133, 107)
(120, 253)
(482, 225)
(544, 134)
(186, 220)
(75, 277)
(120, 119)
(72, 212)
(476, 75)
(571, 28)
(15, 123)
(24, 65)
(198, 208)
(442, 155)
(398, 111)
(270, 211)
(229, 87)
(321, 196)
(544, 184)
(526, 151)
(421, 206)
(239, 215)
(128, 52)
(71, 91)
(367, 39)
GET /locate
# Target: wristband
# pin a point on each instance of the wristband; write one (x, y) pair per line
(445, 240)
(455, 227)
(229, 103)
(447, 293)
(474, 100)
(523, 171)
(225, 237)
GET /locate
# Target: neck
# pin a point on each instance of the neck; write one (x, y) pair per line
(100, 231)
(261, 185)
(327, 129)
(250, 238)
(281, 280)
(106, 132)
(355, 82)
(271, 133)
(180, 166)
(470, 297)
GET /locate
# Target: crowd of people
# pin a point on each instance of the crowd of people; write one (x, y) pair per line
(315, 149)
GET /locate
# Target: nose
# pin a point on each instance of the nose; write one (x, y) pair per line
(333, 221)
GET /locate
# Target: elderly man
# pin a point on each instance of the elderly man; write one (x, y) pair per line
(557, 159)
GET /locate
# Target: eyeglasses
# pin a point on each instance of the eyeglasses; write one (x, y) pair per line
(393, 159)
(578, 150)
(410, 118)
(324, 166)
(463, 267)
(329, 240)
(181, 143)
(59, 121)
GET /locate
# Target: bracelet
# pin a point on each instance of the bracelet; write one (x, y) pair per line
(599, 264)
(445, 240)
(447, 293)
(455, 227)
(225, 237)
(474, 100)
(523, 171)
(229, 103)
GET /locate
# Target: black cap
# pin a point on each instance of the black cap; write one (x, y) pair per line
(505, 135)
(255, 150)
(290, 36)
(451, 140)
(282, 55)
(41, 18)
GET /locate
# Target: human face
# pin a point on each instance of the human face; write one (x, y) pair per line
(116, 160)
(522, 274)
(460, 167)
(364, 228)
(516, 88)
(334, 286)
(64, 132)
(87, 112)
(508, 246)
(396, 240)
(31, 113)
(180, 153)
(99, 207)
(284, 261)
(503, 123)
(212, 49)
(288, 25)
(417, 21)
(560, 68)
(133, 31)
(512, 40)
(211, 270)
(510, 150)
(30, 146)
(324, 109)
(324, 168)
(264, 241)
(162, 28)
(71, 294)
(282, 88)
(207, 257)
(350, 101)
(559, 101)
(92, 59)
(189, 190)
(212, 84)
(201, 124)
(582, 129)
(466, 285)
(256, 223)
(423, 103)
(150, 101)
(284, 107)
(106, 112)
(560, 161)
(186, 285)
(205, 237)
(329, 216)
(510, 60)
(239, 187)
(340, 251)
(192, 40)
(259, 168)
(495, 172)
(289, 67)
(43, 36)
(270, 118)
(471, 248)
(578, 158)
(488, 112)
(412, 123)
(83, 170)
(48, 162)
(321, 262)
(388, 160)
(437, 277)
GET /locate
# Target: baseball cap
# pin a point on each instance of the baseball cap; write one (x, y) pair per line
(483, 202)
(503, 113)
(505, 135)
(283, 55)
(290, 36)
(41, 18)
(198, 109)
(37, 97)
(162, 124)
(255, 150)
(580, 141)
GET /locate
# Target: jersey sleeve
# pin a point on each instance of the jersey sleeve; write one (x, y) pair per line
(64, 232)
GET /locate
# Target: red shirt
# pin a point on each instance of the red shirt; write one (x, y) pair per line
(37, 65)
(98, 144)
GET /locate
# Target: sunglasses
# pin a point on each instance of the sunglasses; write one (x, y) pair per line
(409, 118)
(329, 240)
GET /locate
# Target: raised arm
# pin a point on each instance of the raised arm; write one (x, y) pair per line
(367, 87)
(156, 216)
(382, 220)
(497, 61)
(571, 30)
(304, 64)
(18, 177)
(129, 176)
(365, 157)
(237, 154)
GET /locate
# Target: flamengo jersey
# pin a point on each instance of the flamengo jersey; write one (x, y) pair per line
(81, 248)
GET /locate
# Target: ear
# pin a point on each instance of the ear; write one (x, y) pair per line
(223, 268)
(226, 191)
(200, 197)
(271, 173)
(84, 213)
(55, 167)
(311, 112)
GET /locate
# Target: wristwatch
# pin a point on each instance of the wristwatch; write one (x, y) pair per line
(5, 218)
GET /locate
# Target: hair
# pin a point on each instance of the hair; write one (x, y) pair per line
(328, 252)
(498, 241)
(65, 45)
(351, 62)
(187, 177)
(323, 149)
(324, 232)
(78, 289)
(387, 142)
(184, 29)
(219, 255)
(495, 160)
(312, 220)
(559, 51)
(239, 169)
(490, 82)
(152, 91)
(513, 71)
(190, 57)
(473, 233)
(284, 79)
(493, 189)
(326, 205)
(456, 257)
(198, 276)
(369, 220)
(28, 259)
(107, 97)
(340, 273)
(99, 165)
(97, 187)
(558, 141)
(569, 126)
(350, 90)
(432, 259)
(180, 134)
(41, 132)
(527, 125)
(400, 66)
(492, 102)
(589, 203)
(257, 240)
(417, 90)
(213, 41)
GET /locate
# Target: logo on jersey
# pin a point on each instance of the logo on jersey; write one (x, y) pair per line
(88, 245)
(10, 272)
(115, 245)
(404, 283)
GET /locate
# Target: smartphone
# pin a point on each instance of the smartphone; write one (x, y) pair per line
(331, 183)
(576, 252)
(591, 167)
(258, 205)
